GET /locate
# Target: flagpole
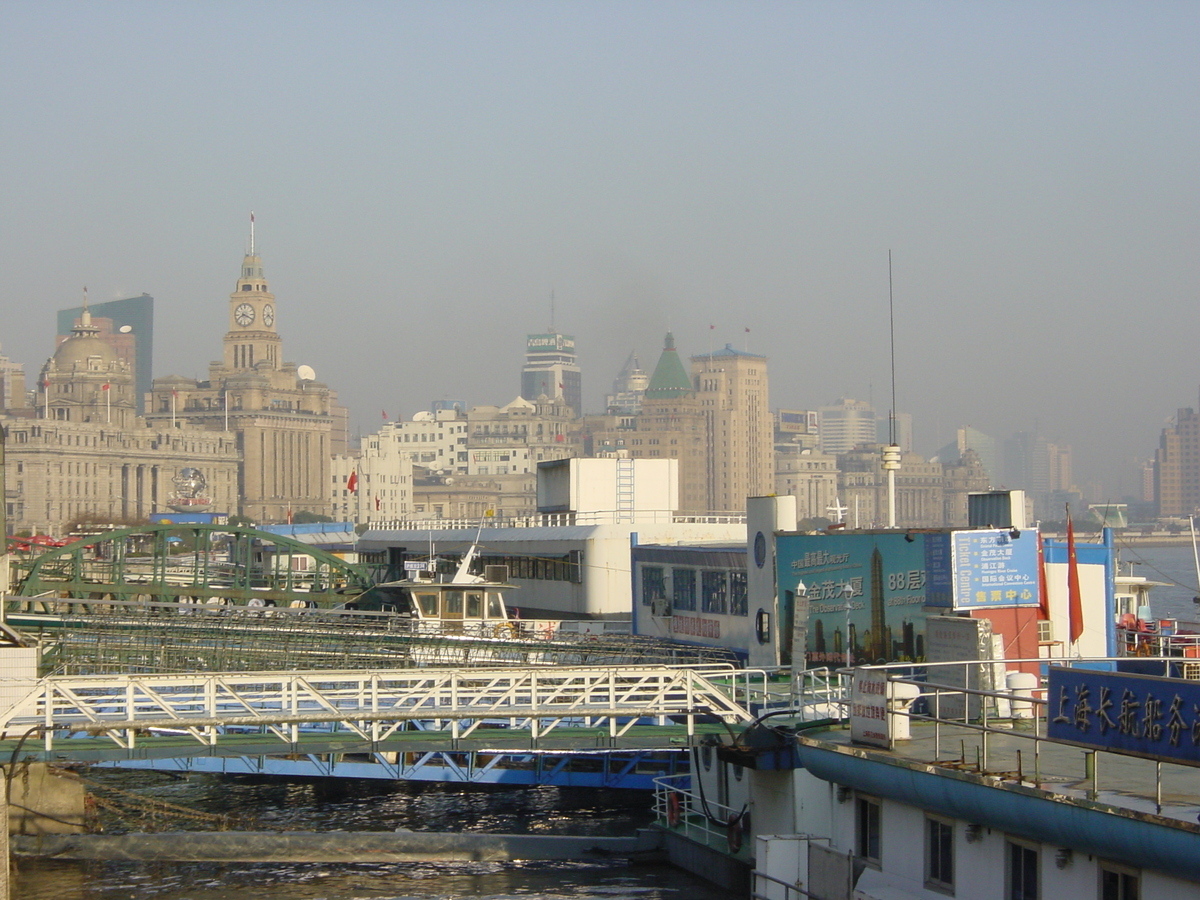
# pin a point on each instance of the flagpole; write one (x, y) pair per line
(226, 404)
(108, 404)
(173, 395)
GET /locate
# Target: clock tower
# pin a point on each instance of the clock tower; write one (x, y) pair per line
(252, 340)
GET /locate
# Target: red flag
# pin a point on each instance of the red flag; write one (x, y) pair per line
(747, 331)
(289, 515)
(174, 393)
(352, 482)
(46, 383)
(378, 502)
(384, 411)
(1043, 587)
(105, 387)
(711, 327)
(1074, 596)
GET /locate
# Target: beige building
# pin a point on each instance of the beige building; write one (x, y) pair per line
(81, 452)
(287, 424)
(920, 490)
(669, 425)
(812, 478)
(731, 389)
(373, 485)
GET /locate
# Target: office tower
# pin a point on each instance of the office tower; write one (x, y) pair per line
(551, 370)
(731, 388)
(845, 425)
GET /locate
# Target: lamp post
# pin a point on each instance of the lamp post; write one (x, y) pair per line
(847, 593)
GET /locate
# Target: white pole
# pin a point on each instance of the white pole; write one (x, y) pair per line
(108, 404)
(173, 395)
(226, 404)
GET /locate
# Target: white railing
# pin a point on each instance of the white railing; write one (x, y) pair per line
(373, 706)
(699, 818)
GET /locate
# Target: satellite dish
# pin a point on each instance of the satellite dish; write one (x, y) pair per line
(306, 373)
(125, 329)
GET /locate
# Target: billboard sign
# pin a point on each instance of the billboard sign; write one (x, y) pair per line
(867, 592)
(550, 343)
(994, 569)
(1138, 715)
(798, 421)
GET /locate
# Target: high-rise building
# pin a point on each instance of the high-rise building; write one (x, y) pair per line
(731, 388)
(845, 425)
(1177, 466)
(12, 385)
(552, 370)
(283, 416)
(128, 327)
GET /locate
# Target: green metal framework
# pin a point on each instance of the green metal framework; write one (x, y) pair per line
(192, 563)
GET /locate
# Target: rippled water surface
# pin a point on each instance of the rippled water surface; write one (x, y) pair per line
(369, 806)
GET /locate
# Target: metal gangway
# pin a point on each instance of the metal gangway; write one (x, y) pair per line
(276, 712)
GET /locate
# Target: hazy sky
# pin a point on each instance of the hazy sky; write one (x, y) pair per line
(424, 175)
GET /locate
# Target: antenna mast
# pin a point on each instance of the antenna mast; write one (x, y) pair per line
(251, 232)
(891, 453)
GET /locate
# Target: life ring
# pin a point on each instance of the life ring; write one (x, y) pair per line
(505, 630)
(673, 814)
(733, 833)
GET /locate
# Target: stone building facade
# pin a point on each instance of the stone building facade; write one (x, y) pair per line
(287, 424)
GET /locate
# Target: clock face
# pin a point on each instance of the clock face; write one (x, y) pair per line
(268, 315)
(244, 314)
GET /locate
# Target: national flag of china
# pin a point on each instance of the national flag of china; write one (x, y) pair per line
(352, 482)
(378, 502)
(105, 387)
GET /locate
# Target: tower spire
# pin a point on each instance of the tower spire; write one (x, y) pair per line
(85, 326)
(252, 232)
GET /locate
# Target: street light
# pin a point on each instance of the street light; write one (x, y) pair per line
(848, 592)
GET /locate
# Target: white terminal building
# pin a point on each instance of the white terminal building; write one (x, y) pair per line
(571, 560)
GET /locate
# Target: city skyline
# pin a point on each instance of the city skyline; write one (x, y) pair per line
(425, 181)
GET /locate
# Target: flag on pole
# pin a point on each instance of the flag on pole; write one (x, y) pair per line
(105, 387)
(352, 482)
(384, 411)
(378, 502)
(1074, 595)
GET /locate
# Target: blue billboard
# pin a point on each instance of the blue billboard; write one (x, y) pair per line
(994, 569)
(1140, 715)
(867, 592)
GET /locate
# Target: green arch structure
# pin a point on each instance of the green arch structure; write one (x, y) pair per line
(171, 563)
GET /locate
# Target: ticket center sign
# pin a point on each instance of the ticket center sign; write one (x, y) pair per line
(994, 569)
(1139, 715)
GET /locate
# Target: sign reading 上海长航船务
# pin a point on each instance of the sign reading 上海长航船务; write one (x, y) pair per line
(994, 569)
(1140, 715)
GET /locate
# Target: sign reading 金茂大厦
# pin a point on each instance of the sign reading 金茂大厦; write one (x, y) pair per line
(994, 569)
(1140, 715)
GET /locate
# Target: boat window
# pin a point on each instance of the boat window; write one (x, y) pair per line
(429, 605)
(454, 605)
(495, 609)
(474, 606)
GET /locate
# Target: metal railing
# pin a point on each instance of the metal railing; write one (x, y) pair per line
(700, 819)
(992, 715)
(372, 706)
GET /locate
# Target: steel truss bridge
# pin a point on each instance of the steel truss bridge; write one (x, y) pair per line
(108, 718)
(193, 563)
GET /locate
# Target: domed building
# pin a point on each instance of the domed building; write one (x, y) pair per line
(85, 380)
(82, 452)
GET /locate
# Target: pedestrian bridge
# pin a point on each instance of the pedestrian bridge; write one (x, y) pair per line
(104, 717)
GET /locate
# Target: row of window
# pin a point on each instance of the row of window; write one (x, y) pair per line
(1021, 865)
(546, 568)
(721, 592)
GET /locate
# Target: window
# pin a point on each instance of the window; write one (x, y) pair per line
(868, 829)
(939, 854)
(712, 586)
(1022, 873)
(683, 589)
(1119, 882)
(654, 585)
(737, 594)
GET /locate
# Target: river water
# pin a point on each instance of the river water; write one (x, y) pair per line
(376, 806)
(369, 806)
